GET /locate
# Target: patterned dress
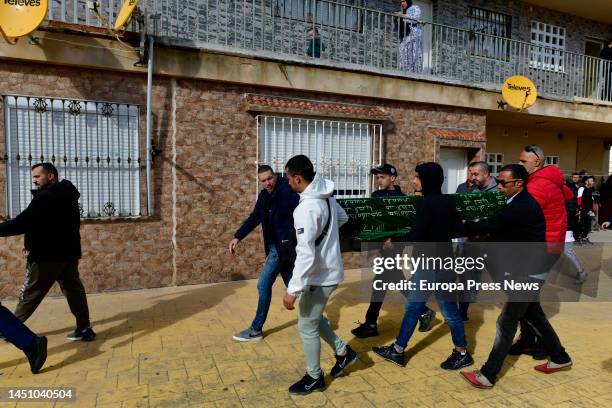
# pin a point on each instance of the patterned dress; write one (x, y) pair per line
(411, 47)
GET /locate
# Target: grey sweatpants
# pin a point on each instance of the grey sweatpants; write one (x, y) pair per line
(313, 326)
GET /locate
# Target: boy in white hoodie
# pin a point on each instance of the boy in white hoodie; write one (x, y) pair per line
(317, 271)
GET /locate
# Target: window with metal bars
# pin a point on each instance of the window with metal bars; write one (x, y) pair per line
(547, 46)
(343, 14)
(496, 162)
(490, 32)
(548, 160)
(95, 145)
(343, 151)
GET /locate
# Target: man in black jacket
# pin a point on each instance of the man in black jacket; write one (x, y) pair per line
(274, 211)
(52, 242)
(521, 221)
(436, 223)
(385, 176)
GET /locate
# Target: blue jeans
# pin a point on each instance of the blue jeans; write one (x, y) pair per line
(271, 269)
(14, 331)
(417, 299)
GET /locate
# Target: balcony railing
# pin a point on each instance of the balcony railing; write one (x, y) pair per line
(362, 39)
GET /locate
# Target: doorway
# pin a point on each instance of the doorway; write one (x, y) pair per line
(426, 15)
(454, 164)
(593, 72)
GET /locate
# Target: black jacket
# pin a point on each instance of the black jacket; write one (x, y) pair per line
(522, 226)
(436, 219)
(571, 207)
(274, 211)
(50, 223)
(521, 220)
(396, 192)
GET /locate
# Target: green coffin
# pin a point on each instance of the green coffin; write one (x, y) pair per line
(373, 219)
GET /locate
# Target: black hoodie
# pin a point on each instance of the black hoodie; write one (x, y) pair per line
(50, 223)
(437, 219)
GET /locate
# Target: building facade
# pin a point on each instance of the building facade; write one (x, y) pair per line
(233, 85)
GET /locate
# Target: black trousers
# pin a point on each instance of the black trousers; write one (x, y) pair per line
(378, 296)
(40, 277)
(533, 315)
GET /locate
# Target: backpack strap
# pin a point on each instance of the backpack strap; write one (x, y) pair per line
(326, 227)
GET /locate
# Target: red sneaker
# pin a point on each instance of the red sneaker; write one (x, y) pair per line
(551, 367)
(476, 379)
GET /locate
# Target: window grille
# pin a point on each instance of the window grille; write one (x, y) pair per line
(496, 162)
(490, 31)
(342, 151)
(548, 44)
(321, 13)
(95, 145)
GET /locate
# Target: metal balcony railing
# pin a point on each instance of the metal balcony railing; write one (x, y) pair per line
(360, 38)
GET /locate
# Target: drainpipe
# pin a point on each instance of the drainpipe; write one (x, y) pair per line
(148, 129)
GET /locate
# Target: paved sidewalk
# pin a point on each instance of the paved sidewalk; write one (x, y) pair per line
(172, 347)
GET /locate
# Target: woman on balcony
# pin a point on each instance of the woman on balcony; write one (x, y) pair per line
(410, 37)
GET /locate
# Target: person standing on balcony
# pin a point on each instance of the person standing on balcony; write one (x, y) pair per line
(410, 37)
(606, 55)
(314, 44)
(52, 244)
(274, 211)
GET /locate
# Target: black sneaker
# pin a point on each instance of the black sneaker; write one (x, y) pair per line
(365, 330)
(390, 354)
(86, 334)
(343, 362)
(308, 384)
(457, 360)
(37, 353)
(426, 321)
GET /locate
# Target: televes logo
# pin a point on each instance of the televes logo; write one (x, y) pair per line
(33, 3)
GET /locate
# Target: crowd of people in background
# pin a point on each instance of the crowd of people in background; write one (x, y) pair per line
(300, 222)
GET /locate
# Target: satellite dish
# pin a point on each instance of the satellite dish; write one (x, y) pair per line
(519, 92)
(124, 14)
(21, 17)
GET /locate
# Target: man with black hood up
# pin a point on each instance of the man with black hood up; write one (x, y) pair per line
(437, 222)
(52, 242)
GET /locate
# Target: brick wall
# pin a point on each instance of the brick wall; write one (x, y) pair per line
(203, 195)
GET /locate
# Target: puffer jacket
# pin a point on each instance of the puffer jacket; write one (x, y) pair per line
(547, 186)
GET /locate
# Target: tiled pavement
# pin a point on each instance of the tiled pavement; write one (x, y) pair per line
(172, 347)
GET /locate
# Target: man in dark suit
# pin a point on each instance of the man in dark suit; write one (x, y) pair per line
(521, 221)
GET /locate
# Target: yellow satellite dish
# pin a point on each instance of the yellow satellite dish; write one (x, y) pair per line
(124, 14)
(21, 17)
(519, 92)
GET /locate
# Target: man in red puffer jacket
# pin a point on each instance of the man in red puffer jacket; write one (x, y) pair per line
(547, 186)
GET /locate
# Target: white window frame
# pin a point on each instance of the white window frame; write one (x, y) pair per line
(492, 33)
(548, 160)
(341, 150)
(93, 144)
(548, 47)
(496, 162)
